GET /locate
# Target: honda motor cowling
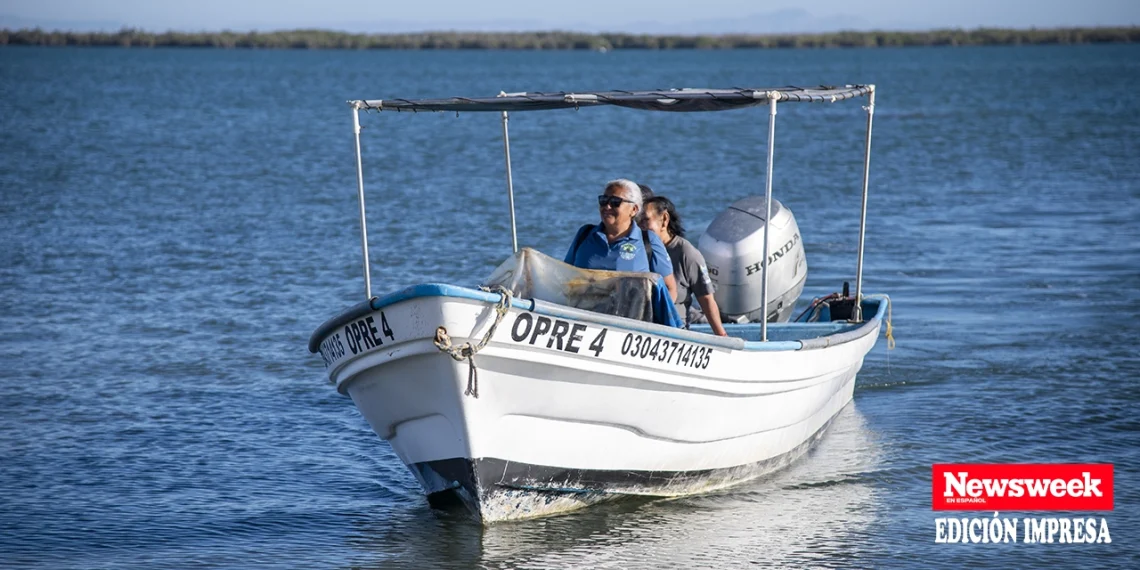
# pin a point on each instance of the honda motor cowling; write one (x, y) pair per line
(733, 246)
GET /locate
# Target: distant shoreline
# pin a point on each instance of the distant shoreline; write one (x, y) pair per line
(554, 40)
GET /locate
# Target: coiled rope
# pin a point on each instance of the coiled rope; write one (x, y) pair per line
(890, 330)
(467, 351)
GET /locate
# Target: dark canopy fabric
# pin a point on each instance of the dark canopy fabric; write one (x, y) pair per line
(661, 100)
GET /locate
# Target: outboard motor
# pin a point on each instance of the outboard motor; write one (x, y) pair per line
(732, 247)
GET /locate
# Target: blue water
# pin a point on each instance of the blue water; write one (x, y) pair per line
(176, 223)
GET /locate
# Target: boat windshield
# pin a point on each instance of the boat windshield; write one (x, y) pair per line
(530, 274)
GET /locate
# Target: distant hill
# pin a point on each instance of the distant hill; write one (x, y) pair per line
(323, 39)
(789, 21)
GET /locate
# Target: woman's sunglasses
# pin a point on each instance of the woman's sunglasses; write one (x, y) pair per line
(611, 201)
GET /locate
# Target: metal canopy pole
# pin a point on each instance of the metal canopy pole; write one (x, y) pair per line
(510, 184)
(773, 96)
(360, 198)
(857, 314)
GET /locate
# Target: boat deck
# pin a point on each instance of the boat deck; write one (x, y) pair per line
(782, 331)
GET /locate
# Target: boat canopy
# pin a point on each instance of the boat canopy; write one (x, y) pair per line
(659, 100)
(685, 100)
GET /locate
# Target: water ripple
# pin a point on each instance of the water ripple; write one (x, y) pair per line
(182, 220)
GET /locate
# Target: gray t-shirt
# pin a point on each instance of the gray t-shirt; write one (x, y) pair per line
(692, 278)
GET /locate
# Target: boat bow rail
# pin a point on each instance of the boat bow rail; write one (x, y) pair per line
(798, 335)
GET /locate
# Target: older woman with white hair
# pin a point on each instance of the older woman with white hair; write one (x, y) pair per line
(617, 243)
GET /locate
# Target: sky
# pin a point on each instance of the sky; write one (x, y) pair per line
(635, 16)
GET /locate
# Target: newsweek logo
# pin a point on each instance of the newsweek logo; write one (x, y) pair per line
(1022, 487)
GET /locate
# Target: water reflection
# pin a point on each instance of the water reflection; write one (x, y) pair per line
(810, 514)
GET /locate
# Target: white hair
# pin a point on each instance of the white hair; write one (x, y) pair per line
(632, 188)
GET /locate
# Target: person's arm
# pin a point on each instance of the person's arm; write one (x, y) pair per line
(712, 313)
(663, 263)
(671, 283)
(574, 245)
(702, 289)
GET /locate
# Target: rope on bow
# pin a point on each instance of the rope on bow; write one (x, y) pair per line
(890, 330)
(467, 351)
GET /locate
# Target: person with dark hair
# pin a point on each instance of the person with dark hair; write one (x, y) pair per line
(689, 268)
(646, 194)
(646, 191)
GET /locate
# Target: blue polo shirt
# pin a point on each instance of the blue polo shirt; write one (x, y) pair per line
(625, 254)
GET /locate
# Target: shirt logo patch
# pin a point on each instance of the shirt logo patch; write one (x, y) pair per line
(627, 251)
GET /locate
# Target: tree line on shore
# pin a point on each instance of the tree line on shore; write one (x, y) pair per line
(555, 40)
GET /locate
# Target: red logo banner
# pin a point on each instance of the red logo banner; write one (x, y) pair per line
(1022, 487)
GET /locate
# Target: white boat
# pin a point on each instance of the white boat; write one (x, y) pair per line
(520, 406)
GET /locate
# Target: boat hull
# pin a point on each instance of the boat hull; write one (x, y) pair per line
(564, 409)
(499, 490)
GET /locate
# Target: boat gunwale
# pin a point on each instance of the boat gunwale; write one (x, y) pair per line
(554, 310)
